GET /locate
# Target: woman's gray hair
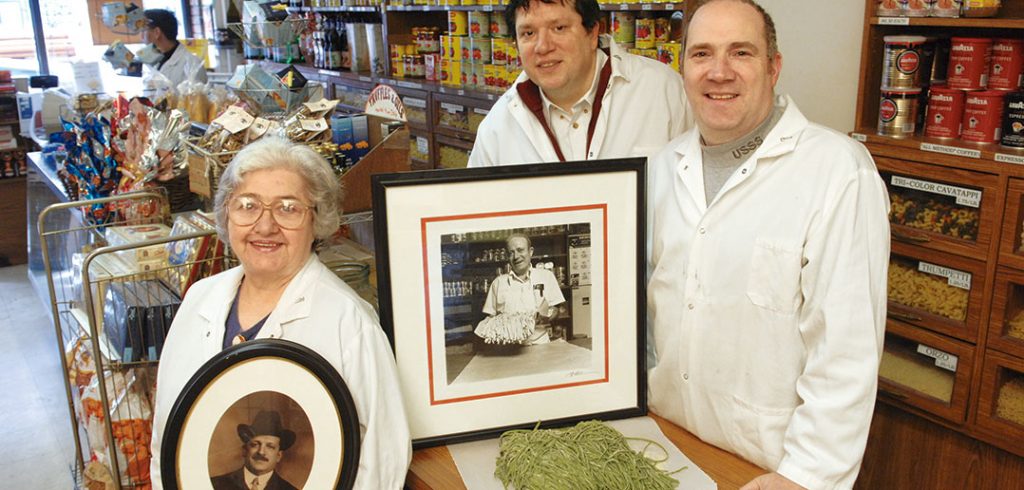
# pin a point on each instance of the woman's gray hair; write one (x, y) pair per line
(276, 152)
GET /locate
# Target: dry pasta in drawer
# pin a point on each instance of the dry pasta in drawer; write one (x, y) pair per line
(936, 290)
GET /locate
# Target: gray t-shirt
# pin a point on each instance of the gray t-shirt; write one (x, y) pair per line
(720, 161)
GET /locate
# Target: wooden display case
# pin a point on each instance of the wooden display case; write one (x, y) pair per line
(927, 371)
(942, 208)
(935, 290)
(1011, 250)
(1001, 401)
(1006, 327)
(947, 178)
(451, 152)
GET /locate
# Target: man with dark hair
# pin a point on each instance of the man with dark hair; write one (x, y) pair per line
(177, 63)
(580, 96)
(769, 241)
(263, 445)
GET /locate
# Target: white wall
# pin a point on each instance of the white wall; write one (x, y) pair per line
(820, 43)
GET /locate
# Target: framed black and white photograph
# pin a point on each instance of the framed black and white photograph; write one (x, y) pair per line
(266, 409)
(513, 295)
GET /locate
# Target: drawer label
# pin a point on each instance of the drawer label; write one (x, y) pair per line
(408, 85)
(1004, 158)
(951, 150)
(482, 112)
(943, 360)
(894, 21)
(955, 278)
(452, 108)
(422, 145)
(964, 197)
(411, 102)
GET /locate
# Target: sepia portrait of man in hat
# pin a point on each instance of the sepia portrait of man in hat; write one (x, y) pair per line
(263, 446)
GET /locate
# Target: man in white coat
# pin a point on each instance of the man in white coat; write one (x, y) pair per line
(177, 63)
(769, 250)
(580, 96)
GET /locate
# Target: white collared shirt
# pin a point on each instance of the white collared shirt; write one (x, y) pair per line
(262, 479)
(570, 127)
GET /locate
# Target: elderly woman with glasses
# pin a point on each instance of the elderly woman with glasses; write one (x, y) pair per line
(275, 202)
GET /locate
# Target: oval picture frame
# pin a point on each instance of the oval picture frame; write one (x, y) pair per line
(289, 371)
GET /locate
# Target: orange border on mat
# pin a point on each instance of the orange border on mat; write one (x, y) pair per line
(426, 292)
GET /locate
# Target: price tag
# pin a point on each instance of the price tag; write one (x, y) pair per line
(329, 73)
(488, 8)
(965, 197)
(365, 79)
(480, 111)
(670, 6)
(943, 360)
(951, 150)
(1003, 157)
(411, 102)
(313, 125)
(894, 21)
(623, 6)
(955, 278)
(422, 145)
(426, 8)
(460, 92)
(408, 85)
(863, 138)
(452, 108)
(647, 6)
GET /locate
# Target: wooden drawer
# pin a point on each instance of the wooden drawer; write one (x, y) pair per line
(421, 150)
(941, 208)
(417, 107)
(459, 116)
(352, 95)
(936, 290)
(926, 370)
(1000, 416)
(1011, 247)
(1006, 328)
(451, 152)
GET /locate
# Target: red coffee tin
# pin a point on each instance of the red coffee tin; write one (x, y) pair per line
(944, 112)
(983, 114)
(968, 63)
(1007, 64)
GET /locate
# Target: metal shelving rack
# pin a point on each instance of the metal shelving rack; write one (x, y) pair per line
(109, 386)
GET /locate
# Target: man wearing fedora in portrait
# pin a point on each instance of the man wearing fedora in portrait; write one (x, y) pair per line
(263, 445)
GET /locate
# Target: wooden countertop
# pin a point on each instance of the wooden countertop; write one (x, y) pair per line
(434, 469)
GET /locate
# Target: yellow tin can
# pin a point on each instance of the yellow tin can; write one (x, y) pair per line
(455, 48)
(511, 54)
(479, 24)
(458, 24)
(489, 74)
(668, 53)
(644, 33)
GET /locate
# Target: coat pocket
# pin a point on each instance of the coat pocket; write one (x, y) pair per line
(774, 281)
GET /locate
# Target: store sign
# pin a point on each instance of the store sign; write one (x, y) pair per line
(385, 102)
(943, 360)
(955, 278)
(951, 150)
(1004, 158)
(964, 197)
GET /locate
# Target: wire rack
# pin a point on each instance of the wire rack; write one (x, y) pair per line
(112, 305)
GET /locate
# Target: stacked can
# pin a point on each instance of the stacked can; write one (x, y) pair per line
(479, 52)
(398, 54)
(623, 27)
(901, 86)
(457, 45)
(918, 8)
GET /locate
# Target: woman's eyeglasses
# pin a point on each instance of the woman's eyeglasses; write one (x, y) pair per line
(289, 214)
